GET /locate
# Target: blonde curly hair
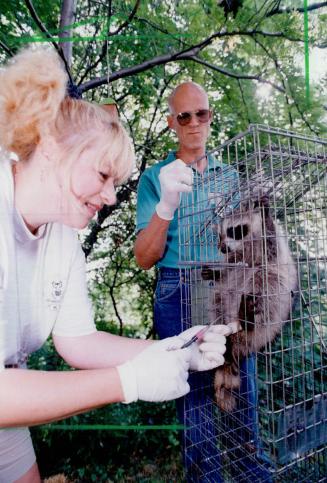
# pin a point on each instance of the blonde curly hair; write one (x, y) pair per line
(33, 103)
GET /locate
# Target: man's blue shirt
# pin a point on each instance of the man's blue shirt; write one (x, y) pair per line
(197, 240)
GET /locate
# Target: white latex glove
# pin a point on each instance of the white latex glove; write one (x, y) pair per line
(156, 374)
(175, 178)
(207, 352)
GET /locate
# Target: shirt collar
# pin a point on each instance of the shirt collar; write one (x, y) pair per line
(22, 233)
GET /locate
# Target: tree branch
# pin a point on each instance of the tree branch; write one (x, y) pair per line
(281, 75)
(39, 23)
(189, 53)
(286, 83)
(128, 20)
(147, 141)
(234, 75)
(120, 320)
(67, 17)
(124, 194)
(87, 56)
(6, 49)
(278, 10)
(244, 101)
(110, 34)
(160, 29)
(43, 29)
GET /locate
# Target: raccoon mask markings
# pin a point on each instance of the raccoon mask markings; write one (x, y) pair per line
(237, 232)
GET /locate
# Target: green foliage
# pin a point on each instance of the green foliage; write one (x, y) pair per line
(111, 454)
(252, 71)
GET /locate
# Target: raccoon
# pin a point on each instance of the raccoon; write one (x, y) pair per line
(254, 291)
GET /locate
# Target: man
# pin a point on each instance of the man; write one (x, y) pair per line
(157, 243)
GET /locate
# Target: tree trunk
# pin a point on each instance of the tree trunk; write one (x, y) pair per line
(67, 18)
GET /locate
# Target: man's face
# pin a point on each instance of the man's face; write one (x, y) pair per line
(192, 136)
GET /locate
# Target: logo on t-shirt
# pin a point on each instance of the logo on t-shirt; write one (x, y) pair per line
(55, 294)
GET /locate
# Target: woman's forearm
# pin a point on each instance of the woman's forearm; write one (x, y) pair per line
(98, 350)
(29, 397)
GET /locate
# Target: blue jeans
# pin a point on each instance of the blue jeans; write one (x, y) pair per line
(202, 457)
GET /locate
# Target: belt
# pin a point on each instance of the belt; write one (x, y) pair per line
(168, 271)
(11, 366)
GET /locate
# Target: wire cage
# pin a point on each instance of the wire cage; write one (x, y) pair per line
(277, 421)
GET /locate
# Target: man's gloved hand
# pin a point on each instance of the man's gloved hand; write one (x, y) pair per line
(156, 374)
(207, 352)
(175, 178)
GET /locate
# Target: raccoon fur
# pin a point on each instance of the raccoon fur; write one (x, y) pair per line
(255, 290)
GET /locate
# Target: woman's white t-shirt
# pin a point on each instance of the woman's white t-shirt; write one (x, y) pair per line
(42, 281)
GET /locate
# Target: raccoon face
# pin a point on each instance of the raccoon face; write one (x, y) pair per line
(236, 232)
(233, 239)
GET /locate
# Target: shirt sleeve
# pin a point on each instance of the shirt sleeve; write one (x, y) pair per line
(147, 198)
(3, 257)
(76, 316)
(2, 347)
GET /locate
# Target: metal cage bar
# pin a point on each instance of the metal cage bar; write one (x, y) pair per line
(289, 400)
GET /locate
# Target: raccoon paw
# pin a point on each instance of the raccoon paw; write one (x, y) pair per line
(219, 380)
(226, 377)
(253, 301)
(207, 273)
(225, 400)
(232, 379)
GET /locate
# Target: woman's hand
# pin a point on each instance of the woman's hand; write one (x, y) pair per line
(208, 351)
(157, 374)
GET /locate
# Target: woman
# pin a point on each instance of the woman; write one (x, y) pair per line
(70, 155)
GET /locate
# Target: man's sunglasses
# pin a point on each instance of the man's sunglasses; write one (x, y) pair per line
(184, 118)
